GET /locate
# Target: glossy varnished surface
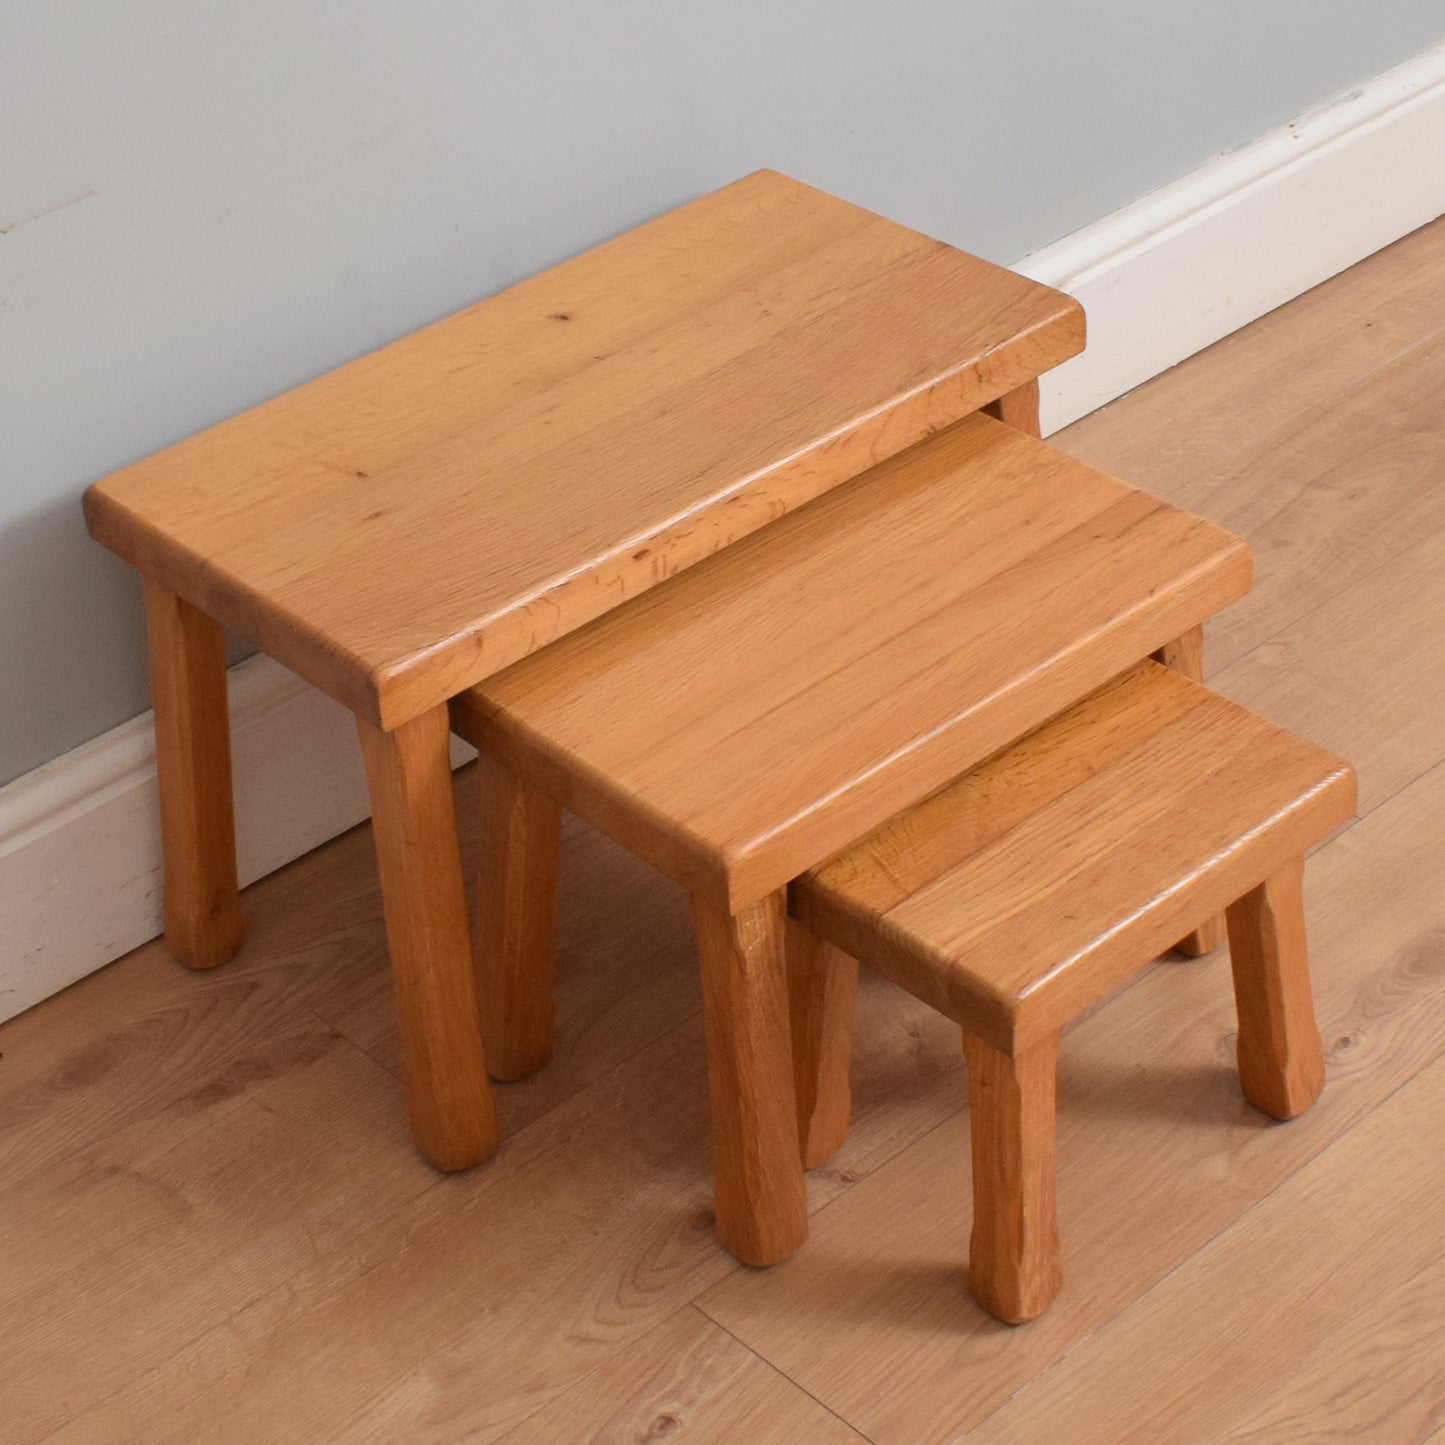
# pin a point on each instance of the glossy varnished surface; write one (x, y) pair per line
(1019, 895)
(215, 1229)
(774, 703)
(409, 523)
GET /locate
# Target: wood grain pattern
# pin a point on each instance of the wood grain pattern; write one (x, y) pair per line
(178, 1218)
(1015, 1262)
(761, 1201)
(1203, 434)
(1235, 1344)
(1157, 1153)
(516, 910)
(1014, 938)
(214, 1230)
(687, 1381)
(449, 1101)
(964, 927)
(506, 474)
(922, 617)
(202, 904)
(1019, 408)
(823, 991)
(457, 1316)
(1352, 474)
(1185, 654)
(1350, 672)
(1281, 1060)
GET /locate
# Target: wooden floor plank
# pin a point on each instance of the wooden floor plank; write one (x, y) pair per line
(119, 1255)
(1332, 494)
(1361, 675)
(1191, 428)
(502, 1286)
(1340, 1273)
(138, 1039)
(685, 1381)
(499, 1287)
(1158, 1152)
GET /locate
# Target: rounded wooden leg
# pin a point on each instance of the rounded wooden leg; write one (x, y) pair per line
(1281, 1061)
(202, 903)
(822, 985)
(1186, 655)
(761, 1199)
(516, 910)
(413, 819)
(1015, 1264)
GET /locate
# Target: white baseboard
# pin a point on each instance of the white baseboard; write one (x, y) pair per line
(1159, 280)
(80, 845)
(1174, 272)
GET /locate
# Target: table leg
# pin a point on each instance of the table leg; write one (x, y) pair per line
(1015, 1264)
(202, 903)
(1019, 408)
(1186, 655)
(760, 1196)
(516, 910)
(449, 1097)
(1281, 1059)
(823, 985)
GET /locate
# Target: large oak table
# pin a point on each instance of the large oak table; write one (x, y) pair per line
(410, 523)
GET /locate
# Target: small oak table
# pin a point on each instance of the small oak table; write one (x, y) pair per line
(403, 527)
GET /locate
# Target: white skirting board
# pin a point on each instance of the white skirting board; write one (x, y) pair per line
(1172, 273)
(1159, 280)
(80, 848)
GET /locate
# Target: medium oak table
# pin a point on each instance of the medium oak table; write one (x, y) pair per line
(403, 527)
(782, 699)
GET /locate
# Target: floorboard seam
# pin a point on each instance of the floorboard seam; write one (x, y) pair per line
(782, 1374)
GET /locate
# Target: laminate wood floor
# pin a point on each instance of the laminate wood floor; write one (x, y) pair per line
(213, 1227)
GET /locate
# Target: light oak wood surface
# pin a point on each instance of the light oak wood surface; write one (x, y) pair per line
(778, 701)
(1185, 654)
(214, 1230)
(823, 996)
(1015, 1263)
(760, 1198)
(759, 712)
(1344, 1343)
(521, 833)
(686, 1381)
(1158, 1153)
(1030, 889)
(407, 524)
(1281, 1064)
(453, 1118)
(1149, 804)
(202, 903)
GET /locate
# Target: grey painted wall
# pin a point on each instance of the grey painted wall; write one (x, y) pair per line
(204, 203)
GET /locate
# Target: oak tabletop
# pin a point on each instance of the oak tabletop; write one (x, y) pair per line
(1032, 886)
(777, 701)
(412, 522)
